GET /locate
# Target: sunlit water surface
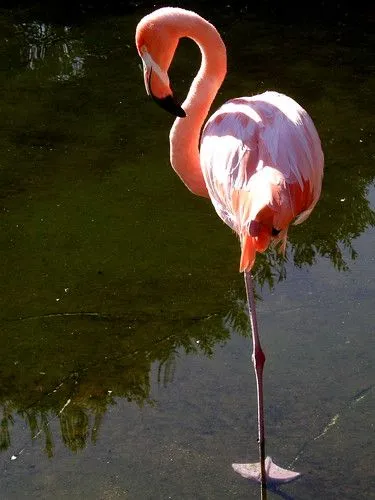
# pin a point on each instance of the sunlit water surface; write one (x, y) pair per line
(125, 357)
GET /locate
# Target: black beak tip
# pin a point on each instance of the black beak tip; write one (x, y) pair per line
(170, 105)
(181, 113)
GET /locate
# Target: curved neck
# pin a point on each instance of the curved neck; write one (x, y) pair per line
(185, 132)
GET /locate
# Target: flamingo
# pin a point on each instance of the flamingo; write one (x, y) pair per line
(259, 159)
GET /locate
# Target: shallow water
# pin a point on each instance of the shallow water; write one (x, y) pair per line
(125, 363)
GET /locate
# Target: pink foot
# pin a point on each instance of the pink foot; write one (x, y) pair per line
(275, 474)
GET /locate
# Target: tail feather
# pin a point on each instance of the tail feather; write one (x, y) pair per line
(250, 245)
(247, 254)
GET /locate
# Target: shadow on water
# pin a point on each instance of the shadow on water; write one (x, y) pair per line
(108, 266)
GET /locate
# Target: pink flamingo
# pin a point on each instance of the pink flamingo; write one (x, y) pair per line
(258, 158)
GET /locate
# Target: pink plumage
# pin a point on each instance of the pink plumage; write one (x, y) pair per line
(262, 162)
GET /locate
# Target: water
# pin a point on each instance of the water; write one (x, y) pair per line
(125, 364)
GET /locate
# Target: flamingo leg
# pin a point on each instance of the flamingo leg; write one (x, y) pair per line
(258, 359)
(266, 470)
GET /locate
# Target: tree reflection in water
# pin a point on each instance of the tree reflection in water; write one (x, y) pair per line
(39, 41)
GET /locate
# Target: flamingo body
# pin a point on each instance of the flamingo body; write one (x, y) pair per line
(263, 165)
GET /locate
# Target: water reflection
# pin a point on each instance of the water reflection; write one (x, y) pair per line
(39, 41)
(90, 206)
(77, 390)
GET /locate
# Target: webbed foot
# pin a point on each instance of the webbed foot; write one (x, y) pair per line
(275, 474)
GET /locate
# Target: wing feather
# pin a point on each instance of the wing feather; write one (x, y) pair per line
(262, 161)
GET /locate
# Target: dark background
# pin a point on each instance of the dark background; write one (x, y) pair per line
(332, 13)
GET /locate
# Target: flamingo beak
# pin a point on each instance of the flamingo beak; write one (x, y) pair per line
(167, 102)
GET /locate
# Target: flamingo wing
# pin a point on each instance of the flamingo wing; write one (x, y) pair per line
(263, 165)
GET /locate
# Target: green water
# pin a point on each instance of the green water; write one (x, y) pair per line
(125, 367)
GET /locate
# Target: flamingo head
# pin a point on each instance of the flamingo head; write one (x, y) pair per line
(156, 46)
